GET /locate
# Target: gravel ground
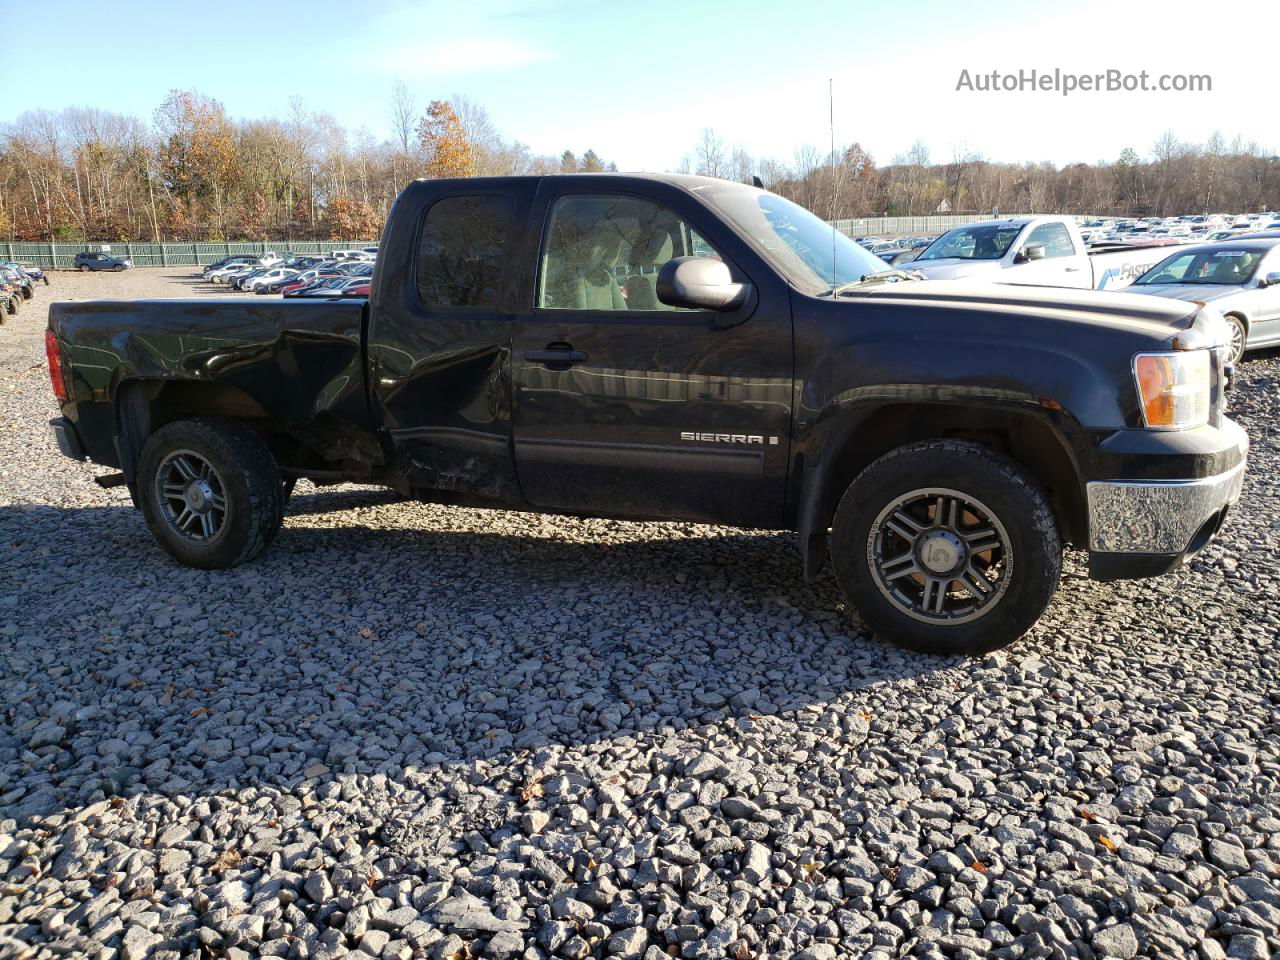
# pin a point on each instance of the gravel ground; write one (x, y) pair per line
(417, 731)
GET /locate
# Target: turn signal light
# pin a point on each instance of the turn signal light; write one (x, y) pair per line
(1173, 388)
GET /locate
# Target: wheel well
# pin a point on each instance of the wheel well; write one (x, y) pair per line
(1239, 316)
(1022, 437)
(144, 406)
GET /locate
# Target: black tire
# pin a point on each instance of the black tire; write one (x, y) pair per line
(246, 474)
(1239, 338)
(1009, 511)
(84, 268)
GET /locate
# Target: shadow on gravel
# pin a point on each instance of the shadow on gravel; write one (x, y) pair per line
(358, 650)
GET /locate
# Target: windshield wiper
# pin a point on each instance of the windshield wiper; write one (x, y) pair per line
(879, 276)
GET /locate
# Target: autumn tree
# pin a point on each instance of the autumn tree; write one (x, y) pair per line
(444, 142)
(197, 157)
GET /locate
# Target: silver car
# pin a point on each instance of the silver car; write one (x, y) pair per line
(1238, 278)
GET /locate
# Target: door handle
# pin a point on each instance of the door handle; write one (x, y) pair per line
(555, 355)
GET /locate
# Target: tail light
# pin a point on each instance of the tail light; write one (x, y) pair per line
(54, 353)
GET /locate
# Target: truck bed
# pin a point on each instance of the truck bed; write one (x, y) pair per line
(299, 364)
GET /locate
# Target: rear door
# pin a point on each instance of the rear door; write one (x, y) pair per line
(628, 407)
(440, 328)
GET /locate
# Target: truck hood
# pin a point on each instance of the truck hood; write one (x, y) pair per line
(1153, 315)
(954, 268)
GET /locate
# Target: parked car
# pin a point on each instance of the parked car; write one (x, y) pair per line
(251, 284)
(229, 263)
(280, 284)
(950, 440)
(336, 287)
(1240, 279)
(297, 286)
(1041, 251)
(100, 261)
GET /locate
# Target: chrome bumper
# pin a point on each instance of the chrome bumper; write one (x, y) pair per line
(1157, 516)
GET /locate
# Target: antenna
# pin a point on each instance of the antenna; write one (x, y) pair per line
(831, 122)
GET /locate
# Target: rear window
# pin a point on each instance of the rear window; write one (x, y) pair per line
(460, 251)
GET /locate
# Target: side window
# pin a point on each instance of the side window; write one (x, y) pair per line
(460, 251)
(604, 252)
(1054, 238)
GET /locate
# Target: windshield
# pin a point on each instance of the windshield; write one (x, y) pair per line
(981, 242)
(808, 251)
(1231, 266)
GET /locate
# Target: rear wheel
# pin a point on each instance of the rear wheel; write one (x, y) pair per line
(210, 491)
(84, 268)
(946, 547)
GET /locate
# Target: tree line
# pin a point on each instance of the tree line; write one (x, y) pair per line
(194, 173)
(1174, 178)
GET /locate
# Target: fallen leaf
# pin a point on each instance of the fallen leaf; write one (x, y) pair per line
(531, 789)
(200, 712)
(810, 867)
(1106, 841)
(866, 716)
(226, 860)
(1086, 814)
(979, 866)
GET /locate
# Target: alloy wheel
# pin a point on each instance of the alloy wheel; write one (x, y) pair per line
(940, 556)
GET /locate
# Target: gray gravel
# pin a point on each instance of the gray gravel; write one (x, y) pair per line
(412, 731)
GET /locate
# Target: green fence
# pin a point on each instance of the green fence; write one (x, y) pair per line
(895, 226)
(61, 256)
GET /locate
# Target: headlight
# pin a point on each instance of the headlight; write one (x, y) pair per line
(1173, 388)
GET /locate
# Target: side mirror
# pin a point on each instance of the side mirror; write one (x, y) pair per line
(1271, 280)
(701, 283)
(1033, 252)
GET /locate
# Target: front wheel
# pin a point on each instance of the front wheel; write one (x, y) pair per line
(947, 547)
(210, 491)
(1239, 336)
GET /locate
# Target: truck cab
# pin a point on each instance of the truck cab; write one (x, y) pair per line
(1044, 251)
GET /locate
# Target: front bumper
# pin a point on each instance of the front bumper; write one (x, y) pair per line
(1147, 527)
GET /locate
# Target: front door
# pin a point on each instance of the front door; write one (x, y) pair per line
(1063, 265)
(438, 346)
(628, 407)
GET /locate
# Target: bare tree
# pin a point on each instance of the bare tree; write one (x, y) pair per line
(404, 115)
(711, 161)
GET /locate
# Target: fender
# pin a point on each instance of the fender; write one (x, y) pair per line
(1039, 402)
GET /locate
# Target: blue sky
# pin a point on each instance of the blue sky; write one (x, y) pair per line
(638, 81)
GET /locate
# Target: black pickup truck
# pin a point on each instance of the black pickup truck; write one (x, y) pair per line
(674, 347)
